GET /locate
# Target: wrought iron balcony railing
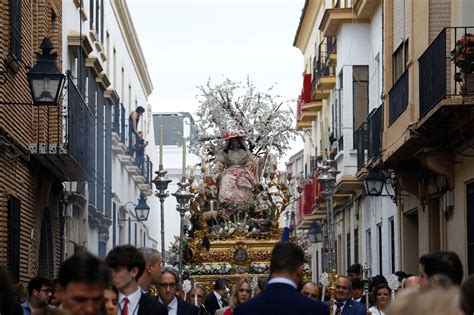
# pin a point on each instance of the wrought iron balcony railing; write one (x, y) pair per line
(118, 125)
(322, 65)
(360, 144)
(440, 77)
(398, 97)
(374, 132)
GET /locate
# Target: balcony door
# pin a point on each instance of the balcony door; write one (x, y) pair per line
(410, 241)
(470, 227)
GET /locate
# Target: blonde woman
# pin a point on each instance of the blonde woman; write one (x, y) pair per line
(241, 293)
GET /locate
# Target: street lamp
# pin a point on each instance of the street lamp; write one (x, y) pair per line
(141, 209)
(183, 195)
(374, 183)
(327, 179)
(161, 182)
(45, 79)
(315, 234)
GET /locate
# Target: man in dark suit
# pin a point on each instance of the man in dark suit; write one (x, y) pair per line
(127, 265)
(167, 289)
(280, 296)
(358, 291)
(344, 304)
(215, 299)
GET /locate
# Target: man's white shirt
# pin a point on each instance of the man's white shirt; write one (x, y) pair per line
(219, 299)
(172, 307)
(133, 300)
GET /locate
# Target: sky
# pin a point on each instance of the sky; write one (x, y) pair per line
(188, 42)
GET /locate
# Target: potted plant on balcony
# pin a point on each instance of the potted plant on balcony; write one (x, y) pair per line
(463, 58)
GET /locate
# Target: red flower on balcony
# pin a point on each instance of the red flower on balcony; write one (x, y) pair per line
(463, 55)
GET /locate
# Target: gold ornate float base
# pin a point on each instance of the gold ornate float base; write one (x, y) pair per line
(230, 258)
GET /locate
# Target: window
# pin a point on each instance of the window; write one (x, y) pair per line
(356, 245)
(368, 240)
(91, 14)
(114, 224)
(392, 244)
(348, 249)
(107, 51)
(135, 235)
(15, 29)
(360, 90)
(317, 264)
(470, 226)
(376, 82)
(399, 61)
(14, 210)
(102, 21)
(338, 111)
(129, 231)
(379, 251)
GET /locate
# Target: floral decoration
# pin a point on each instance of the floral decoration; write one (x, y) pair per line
(463, 54)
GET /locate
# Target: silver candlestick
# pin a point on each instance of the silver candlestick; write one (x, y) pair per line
(161, 184)
(183, 195)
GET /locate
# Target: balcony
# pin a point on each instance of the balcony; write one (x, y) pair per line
(441, 82)
(65, 147)
(307, 204)
(374, 133)
(360, 144)
(118, 124)
(341, 12)
(307, 108)
(398, 97)
(324, 79)
(365, 9)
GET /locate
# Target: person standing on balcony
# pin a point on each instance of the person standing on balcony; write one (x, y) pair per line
(140, 151)
(133, 121)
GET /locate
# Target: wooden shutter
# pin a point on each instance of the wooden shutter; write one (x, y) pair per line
(360, 92)
(14, 207)
(15, 29)
(400, 22)
(440, 17)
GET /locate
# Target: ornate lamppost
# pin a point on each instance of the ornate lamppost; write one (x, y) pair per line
(161, 183)
(327, 179)
(183, 195)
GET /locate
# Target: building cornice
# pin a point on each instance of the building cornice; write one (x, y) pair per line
(306, 25)
(133, 45)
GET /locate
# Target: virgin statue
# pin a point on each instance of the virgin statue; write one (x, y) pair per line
(237, 171)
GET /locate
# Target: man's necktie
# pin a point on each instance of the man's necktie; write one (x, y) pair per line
(125, 306)
(223, 303)
(339, 308)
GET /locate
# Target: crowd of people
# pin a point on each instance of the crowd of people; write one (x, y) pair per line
(122, 283)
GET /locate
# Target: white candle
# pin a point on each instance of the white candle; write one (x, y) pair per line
(161, 144)
(184, 157)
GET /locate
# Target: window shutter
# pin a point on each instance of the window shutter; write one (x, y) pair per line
(400, 22)
(440, 17)
(14, 212)
(15, 29)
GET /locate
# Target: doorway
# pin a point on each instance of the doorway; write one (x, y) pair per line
(410, 241)
(470, 226)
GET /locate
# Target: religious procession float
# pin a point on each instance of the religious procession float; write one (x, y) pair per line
(236, 201)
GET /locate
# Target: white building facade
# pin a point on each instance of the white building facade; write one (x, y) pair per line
(109, 76)
(341, 91)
